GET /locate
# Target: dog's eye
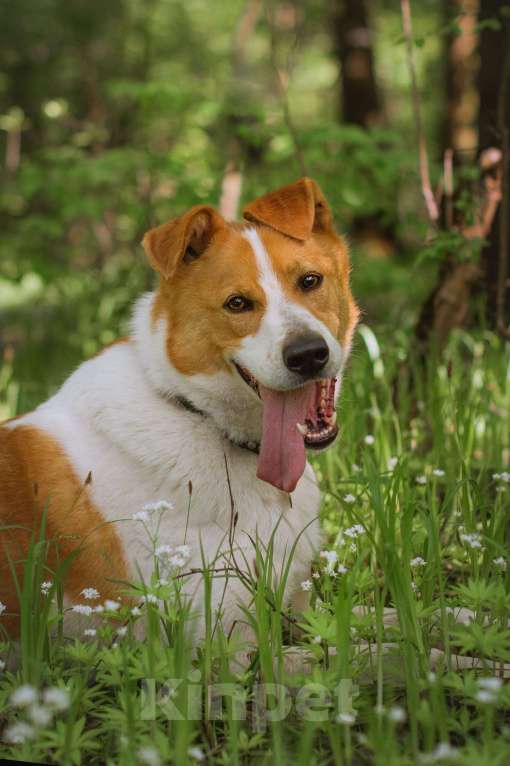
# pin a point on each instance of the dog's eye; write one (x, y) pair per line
(238, 303)
(310, 281)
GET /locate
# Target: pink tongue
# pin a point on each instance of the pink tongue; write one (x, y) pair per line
(282, 456)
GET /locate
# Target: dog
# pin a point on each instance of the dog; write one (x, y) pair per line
(230, 372)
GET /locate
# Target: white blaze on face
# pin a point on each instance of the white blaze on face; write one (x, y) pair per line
(262, 353)
(287, 398)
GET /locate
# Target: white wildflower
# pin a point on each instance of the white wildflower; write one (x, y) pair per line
(39, 715)
(397, 714)
(136, 611)
(485, 696)
(2, 607)
(438, 472)
(177, 562)
(443, 752)
(142, 516)
(431, 678)
(316, 575)
(349, 498)
(342, 569)
(18, 733)
(99, 609)
(149, 598)
(490, 683)
(196, 753)
(421, 479)
(473, 539)
(330, 556)
(149, 756)
(352, 548)
(369, 439)
(111, 605)
(501, 563)
(354, 531)
(414, 587)
(346, 719)
(418, 562)
(90, 593)
(122, 631)
(56, 698)
(184, 551)
(317, 640)
(355, 468)
(82, 609)
(158, 507)
(46, 587)
(163, 551)
(161, 583)
(90, 632)
(24, 696)
(392, 463)
(306, 585)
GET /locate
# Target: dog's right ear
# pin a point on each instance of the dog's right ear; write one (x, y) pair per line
(182, 239)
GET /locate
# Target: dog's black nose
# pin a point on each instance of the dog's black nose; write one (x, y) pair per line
(306, 356)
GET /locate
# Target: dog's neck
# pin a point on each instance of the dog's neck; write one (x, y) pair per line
(222, 397)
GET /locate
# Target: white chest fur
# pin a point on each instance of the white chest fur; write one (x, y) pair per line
(141, 448)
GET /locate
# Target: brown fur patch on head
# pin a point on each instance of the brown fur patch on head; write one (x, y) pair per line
(323, 253)
(199, 330)
(36, 474)
(310, 243)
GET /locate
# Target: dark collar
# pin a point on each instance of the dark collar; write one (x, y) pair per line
(187, 405)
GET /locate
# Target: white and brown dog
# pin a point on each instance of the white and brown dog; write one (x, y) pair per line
(235, 360)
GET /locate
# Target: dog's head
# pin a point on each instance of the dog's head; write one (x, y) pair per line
(266, 303)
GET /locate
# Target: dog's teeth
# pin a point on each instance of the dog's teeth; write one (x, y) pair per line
(303, 430)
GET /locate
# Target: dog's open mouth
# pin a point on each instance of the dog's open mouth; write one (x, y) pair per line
(293, 420)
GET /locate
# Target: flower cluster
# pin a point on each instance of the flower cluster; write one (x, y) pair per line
(332, 568)
(488, 689)
(354, 531)
(170, 559)
(473, 540)
(503, 477)
(39, 710)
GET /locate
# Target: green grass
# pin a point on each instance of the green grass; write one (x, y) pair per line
(414, 516)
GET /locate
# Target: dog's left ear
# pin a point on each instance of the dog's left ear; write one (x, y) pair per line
(297, 210)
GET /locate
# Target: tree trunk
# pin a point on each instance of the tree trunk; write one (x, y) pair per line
(494, 127)
(460, 128)
(360, 100)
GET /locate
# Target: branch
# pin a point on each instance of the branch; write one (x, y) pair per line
(423, 162)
